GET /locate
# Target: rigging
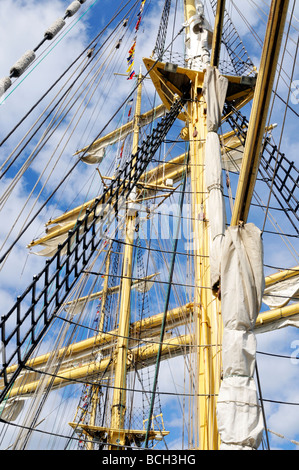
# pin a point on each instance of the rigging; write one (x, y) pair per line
(276, 165)
(75, 262)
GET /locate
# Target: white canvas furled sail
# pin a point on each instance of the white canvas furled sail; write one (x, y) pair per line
(281, 293)
(240, 420)
(215, 89)
(95, 153)
(11, 409)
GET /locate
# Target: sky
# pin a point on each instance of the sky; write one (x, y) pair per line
(22, 28)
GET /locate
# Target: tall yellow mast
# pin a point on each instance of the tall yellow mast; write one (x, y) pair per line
(203, 302)
(116, 434)
(168, 81)
(206, 307)
(94, 389)
(208, 324)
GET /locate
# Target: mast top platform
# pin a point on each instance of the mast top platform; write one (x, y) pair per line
(171, 80)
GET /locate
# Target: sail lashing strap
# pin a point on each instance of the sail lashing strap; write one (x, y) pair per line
(19, 339)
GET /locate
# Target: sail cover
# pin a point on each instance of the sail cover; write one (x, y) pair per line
(11, 409)
(239, 415)
(236, 262)
(214, 90)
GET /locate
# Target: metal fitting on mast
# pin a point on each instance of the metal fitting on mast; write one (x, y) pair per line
(199, 39)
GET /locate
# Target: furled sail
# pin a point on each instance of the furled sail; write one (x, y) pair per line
(282, 292)
(82, 358)
(215, 89)
(280, 295)
(94, 154)
(240, 420)
(57, 229)
(10, 409)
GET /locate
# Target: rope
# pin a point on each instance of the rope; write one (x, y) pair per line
(3, 257)
(262, 405)
(65, 72)
(23, 63)
(165, 313)
(283, 125)
(283, 437)
(62, 97)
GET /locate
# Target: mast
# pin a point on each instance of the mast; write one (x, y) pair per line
(116, 434)
(206, 307)
(240, 417)
(202, 128)
(260, 107)
(94, 388)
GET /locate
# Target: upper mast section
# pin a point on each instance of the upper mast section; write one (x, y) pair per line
(202, 48)
(199, 35)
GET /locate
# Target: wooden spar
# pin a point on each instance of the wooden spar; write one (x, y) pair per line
(209, 370)
(142, 328)
(216, 44)
(153, 180)
(116, 436)
(143, 356)
(206, 308)
(149, 326)
(123, 130)
(281, 276)
(273, 316)
(262, 96)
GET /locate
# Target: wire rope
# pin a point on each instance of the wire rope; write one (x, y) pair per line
(3, 257)
(169, 285)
